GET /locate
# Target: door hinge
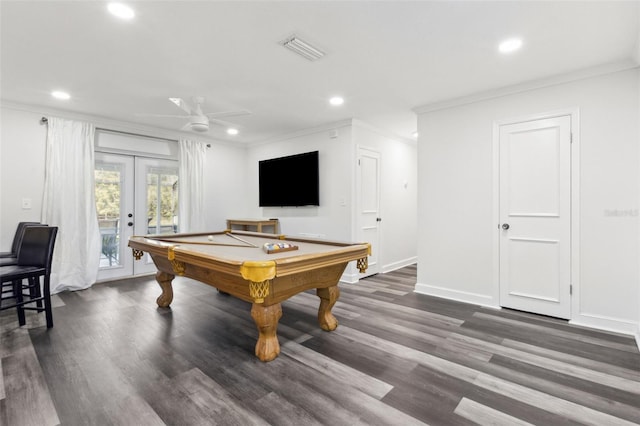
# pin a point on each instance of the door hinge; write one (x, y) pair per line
(570, 137)
(570, 289)
(358, 161)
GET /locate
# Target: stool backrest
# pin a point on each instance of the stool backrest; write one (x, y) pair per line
(37, 245)
(17, 238)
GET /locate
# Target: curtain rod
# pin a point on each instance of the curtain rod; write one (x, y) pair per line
(45, 120)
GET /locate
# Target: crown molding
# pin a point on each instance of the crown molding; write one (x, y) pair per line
(382, 132)
(304, 132)
(111, 125)
(333, 126)
(530, 85)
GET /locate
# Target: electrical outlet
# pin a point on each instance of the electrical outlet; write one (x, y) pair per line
(26, 204)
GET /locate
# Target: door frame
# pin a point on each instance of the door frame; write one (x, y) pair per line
(574, 114)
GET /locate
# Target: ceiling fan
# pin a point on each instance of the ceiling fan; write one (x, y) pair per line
(199, 121)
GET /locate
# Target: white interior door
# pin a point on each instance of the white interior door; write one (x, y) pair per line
(368, 192)
(134, 196)
(535, 216)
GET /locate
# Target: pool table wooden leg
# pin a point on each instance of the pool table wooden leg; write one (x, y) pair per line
(266, 318)
(164, 279)
(328, 297)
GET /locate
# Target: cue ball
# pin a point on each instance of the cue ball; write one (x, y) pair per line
(210, 237)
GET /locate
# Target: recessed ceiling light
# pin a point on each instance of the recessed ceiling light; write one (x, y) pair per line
(61, 95)
(232, 131)
(120, 10)
(336, 100)
(510, 45)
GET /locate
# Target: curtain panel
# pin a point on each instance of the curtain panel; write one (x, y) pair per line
(69, 203)
(191, 186)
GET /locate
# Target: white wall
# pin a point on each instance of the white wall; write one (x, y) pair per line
(398, 195)
(225, 185)
(335, 217)
(331, 219)
(456, 255)
(22, 159)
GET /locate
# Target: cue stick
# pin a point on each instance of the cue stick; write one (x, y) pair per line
(240, 239)
(204, 243)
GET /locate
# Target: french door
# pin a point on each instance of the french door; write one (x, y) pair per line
(134, 196)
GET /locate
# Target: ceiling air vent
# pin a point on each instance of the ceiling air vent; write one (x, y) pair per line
(302, 48)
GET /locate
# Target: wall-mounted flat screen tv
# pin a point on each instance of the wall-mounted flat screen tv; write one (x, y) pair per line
(289, 181)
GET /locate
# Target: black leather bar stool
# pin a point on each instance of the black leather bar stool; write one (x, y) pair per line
(35, 255)
(11, 257)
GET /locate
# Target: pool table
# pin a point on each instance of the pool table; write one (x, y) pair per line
(238, 263)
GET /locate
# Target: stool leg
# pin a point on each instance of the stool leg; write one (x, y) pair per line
(47, 302)
(34, 291)
(17, 292)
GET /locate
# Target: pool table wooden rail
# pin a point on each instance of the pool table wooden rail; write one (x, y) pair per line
(253, 270)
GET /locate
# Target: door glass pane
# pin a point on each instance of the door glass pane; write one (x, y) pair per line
(108, 188)
(162, 200)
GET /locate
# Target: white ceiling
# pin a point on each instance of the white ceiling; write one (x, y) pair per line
(383, 57)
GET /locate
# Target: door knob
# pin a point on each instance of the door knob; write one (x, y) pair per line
(505, 226)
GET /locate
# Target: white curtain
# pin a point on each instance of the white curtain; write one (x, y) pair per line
(69, 203)
(191, 186)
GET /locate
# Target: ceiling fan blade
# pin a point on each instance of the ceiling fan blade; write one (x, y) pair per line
(180, 103)
(222, 123)
(228, 113)
(142, 114)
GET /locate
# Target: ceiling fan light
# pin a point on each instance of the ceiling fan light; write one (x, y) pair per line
(199, 127)
(199, 123)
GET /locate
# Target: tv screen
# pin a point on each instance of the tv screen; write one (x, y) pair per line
(289, 181)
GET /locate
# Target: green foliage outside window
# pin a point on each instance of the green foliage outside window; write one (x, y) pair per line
(168, 193)
(107, 184)
(108, 194)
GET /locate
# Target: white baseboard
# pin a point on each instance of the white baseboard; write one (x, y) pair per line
(599, 322)
(353, 277)
(399, 264)
(459, 296)
(350, 278)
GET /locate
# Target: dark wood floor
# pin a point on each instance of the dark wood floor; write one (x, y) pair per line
(397, 358)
